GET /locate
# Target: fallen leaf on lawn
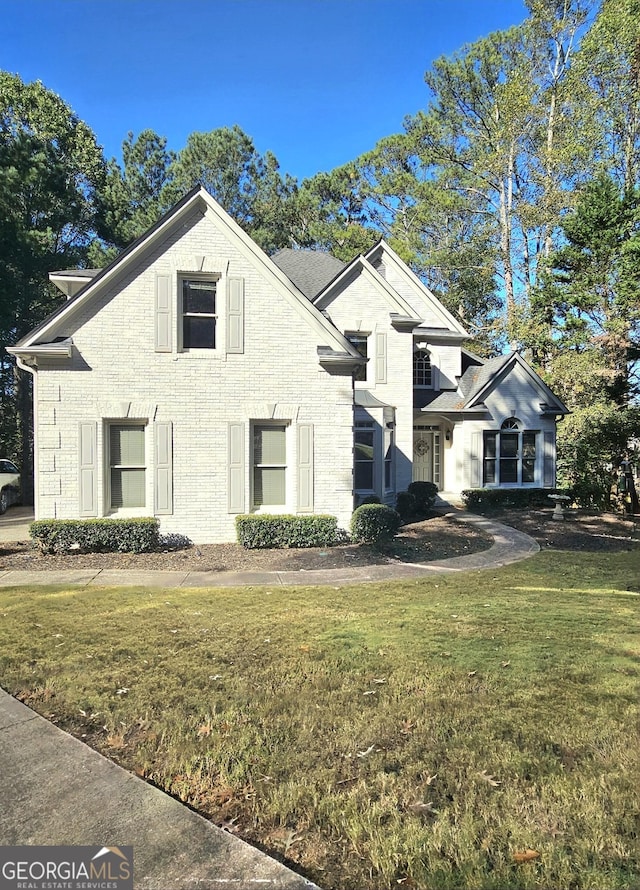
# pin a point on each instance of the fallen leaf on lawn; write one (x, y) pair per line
(379, 681)
(122, 691)
(446, 654)
(205, 729)
(215, 676)
(407, 727)
(230, 825)
(305, 648)
(430, 779)
(366, 753)
(420, 808)
(369, 692)
(84, 713)
(491, 780)
(472, 673)
(505, 664)
(526, 856)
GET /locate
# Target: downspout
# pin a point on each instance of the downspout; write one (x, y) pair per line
(31, 369)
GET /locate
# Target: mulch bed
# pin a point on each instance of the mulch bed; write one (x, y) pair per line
(438, 537)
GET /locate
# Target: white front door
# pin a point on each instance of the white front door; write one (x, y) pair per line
(426, 454)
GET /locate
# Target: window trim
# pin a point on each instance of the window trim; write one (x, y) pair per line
(262, 424)
(110, 509)
(360, 374)
(423, 349)
(368, 426)
(511, 427)
(211, 278)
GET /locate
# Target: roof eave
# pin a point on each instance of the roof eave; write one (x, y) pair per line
(331, 358)
(404, 323)
(63, 349)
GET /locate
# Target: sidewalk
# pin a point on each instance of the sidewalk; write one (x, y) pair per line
(509, 546)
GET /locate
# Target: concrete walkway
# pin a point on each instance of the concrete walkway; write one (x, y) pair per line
(509, 546)
(56, 790)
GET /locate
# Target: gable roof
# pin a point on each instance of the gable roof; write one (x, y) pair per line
(479, 380)
(310, 270)
(360, 266)
(424, 298)
(198, 199)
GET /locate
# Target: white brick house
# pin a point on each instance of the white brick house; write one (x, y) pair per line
(195, 378)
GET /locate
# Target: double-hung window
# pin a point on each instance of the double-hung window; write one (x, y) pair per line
(360, 342)
(198, 313)
(127, 465)
(269, 465)
(509, 455)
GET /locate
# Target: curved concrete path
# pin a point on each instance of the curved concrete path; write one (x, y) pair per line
(56, 790)
(509, 545)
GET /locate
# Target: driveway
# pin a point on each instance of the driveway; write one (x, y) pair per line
(14, 524)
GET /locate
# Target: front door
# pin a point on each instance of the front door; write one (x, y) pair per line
(426, 454)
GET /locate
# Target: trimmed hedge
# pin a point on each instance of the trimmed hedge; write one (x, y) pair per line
(425, 494)
(406, 505)
(373, 523)
(281, 532)
(417, 500)
(515, 498)
(96, 535)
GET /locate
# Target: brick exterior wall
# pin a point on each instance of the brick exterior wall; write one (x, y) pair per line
(116, 374)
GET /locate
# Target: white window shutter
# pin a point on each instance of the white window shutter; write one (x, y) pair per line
(549, 461)
(87, 470)
(163, 468)
(236, 468)
(163, 314)
(235, 315)
(305, 468)
(475, 459)
(381, 358)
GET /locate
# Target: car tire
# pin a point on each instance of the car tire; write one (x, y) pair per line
(4, 501)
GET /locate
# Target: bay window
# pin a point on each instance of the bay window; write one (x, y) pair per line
(509, 455)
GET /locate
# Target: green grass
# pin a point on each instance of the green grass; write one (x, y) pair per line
(313, 720)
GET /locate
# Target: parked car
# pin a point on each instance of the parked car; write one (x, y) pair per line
(9, 484)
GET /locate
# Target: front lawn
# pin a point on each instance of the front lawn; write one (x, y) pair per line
(464, 731)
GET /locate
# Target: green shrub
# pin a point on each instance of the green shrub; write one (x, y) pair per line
(373, 523)
(406, 505)
(263, 530)
(513, 498)
(96, 535)
(370, 499)
(425, 494)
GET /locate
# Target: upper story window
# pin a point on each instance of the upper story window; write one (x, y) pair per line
(360, 342)
(198, 313)
(422, 369)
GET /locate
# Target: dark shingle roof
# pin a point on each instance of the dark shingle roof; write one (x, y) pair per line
(309, 270)
(477, 376)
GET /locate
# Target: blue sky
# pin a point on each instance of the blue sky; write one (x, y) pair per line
(317, 82)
